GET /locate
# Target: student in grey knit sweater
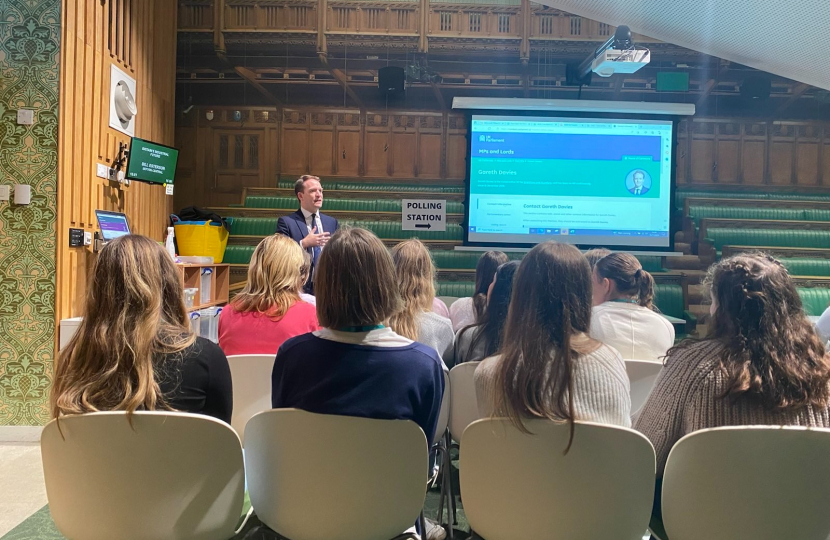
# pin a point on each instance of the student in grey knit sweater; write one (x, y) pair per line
(761, 364)
(416, 281)
(549, 367)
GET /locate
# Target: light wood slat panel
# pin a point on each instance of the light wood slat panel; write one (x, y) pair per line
(141, 41)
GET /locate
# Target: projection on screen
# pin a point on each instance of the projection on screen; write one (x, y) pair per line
(601, 182)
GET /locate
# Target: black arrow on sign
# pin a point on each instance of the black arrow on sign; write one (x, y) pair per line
(423, 226)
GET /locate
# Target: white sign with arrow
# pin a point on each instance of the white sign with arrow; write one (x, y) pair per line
(423, 215)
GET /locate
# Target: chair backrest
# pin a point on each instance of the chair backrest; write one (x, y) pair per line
(749, 482)
(516, 485)
(324, 477)
(444, 413)
(166, 476)
(251, 377)
(642, 374)
(464, 405)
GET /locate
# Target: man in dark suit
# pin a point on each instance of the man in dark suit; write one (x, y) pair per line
(639, 188)
(307, 226)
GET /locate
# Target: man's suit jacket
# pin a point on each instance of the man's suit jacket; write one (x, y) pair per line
(293, 226)
(643, 191)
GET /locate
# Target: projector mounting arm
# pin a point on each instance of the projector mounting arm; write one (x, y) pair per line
(621, 40)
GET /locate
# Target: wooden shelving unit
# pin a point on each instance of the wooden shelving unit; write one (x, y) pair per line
(219, 283)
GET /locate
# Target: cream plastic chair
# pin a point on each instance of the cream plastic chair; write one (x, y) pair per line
(516, 485)
(748, 483)
(251, 376)
(167, 476)
(463, 404)
(325, 477)
(642, 374)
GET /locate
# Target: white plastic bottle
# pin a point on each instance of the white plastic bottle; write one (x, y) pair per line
(169, 245)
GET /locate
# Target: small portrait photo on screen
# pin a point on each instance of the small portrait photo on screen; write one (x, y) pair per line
(638, 182)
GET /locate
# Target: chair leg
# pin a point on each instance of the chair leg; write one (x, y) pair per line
(452, 487)
(423, 522)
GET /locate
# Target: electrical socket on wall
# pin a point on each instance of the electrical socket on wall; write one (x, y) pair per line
(5, 193)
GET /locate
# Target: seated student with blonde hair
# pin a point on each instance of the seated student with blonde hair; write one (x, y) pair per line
(548, 366)
(623, 315)
(134, 349)
(356, 365)
(416, 282)
(269, 310)
(761, 363)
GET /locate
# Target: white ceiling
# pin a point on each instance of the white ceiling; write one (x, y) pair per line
(787, 38)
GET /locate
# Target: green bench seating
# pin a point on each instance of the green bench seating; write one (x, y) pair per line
(388, 230)
(667, 297)
(445, 259)
(696, 213)
(768, 237)
(681, 194)
(352, 205)
(371, 186)
(467, 260)
(814, 299)
(803, 266)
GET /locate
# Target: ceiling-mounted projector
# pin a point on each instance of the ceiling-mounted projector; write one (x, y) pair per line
(612, 61)
(617, 55)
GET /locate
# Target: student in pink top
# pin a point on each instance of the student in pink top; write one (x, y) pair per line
(268, 311)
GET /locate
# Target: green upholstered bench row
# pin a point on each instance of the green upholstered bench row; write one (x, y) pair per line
(353, 205)
(814, 299)
(681, 194)
(261, 226)
(667, 297)
(793, 214)
(444, 259)
(371, 186)
(803, 266)
(465, 260)
(768, 237)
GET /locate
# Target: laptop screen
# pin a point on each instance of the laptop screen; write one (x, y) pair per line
(113, 224)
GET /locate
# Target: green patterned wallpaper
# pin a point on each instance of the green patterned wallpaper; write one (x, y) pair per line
(29, 69)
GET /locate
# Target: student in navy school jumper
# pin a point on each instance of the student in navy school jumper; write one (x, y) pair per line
(356, 365)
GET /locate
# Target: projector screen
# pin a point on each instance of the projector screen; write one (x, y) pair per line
(585, 181)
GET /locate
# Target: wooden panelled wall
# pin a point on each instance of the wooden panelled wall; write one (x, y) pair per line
(247, 147)
(783, 154)
(140, 37)
(252, 147)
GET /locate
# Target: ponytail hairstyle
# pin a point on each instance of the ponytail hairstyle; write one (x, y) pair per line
(416, 281)
(547, 326)
(486, 268)
(771, 351)
(628, 276)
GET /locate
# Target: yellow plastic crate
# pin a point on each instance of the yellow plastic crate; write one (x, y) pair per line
(201, 239)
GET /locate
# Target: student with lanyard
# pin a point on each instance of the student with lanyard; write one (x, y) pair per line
(623, 315)
(356, 365)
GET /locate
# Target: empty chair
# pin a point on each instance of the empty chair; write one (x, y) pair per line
(642, 374)
(326, 477)
(748, 483)
(463, 402)
(251, 376)
(516, 485)
(161, 476)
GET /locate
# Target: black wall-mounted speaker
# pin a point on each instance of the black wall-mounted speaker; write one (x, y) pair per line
(391, 79)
